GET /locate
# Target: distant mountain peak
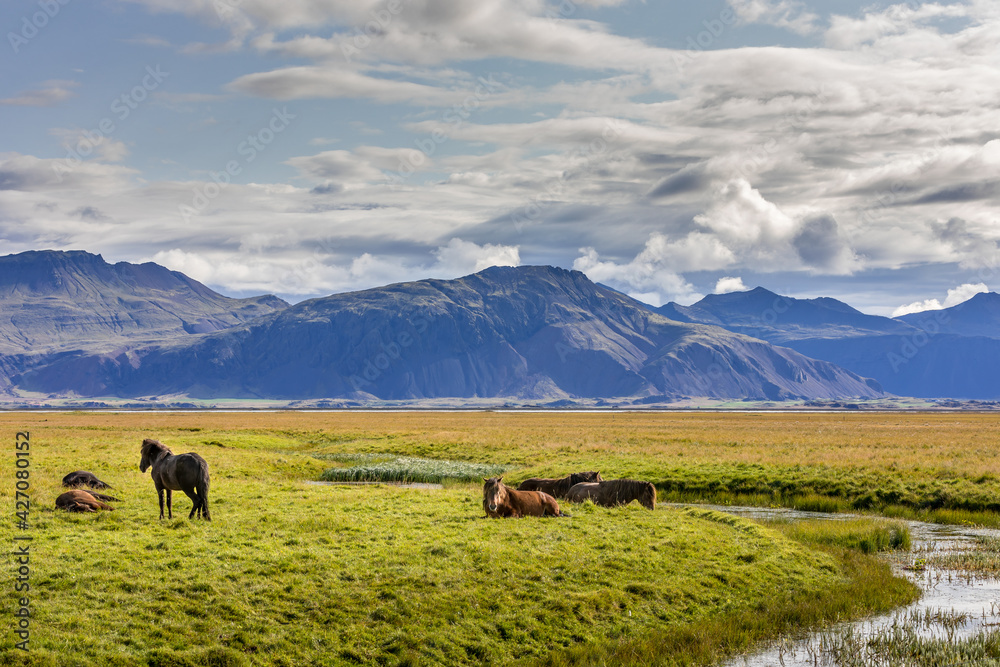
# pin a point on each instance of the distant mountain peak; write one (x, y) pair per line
(54, 299)
(978, 316)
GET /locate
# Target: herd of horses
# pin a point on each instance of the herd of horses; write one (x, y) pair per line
(537, 496)
(189, 473)
(170, 472)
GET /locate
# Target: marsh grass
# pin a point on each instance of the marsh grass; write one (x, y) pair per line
(868, 536)
(389, 468)
(982, 559)
(902, 643)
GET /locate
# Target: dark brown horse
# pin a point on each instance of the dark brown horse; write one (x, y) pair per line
(84, 478)
(180, 472)
(558, 488)
(501, 501)
(82, 501)
(614, 492)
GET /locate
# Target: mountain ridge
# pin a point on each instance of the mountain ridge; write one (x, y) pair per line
(537, 332)
(950, 353)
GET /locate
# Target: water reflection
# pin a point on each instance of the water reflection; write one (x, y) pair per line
(956, 604)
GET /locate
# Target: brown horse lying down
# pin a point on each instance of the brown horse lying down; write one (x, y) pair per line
(558, 488)
(84, 478)
(501, 501)
(614, 492)
(81, 501)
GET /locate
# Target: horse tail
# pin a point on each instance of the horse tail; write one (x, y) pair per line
(203, 485)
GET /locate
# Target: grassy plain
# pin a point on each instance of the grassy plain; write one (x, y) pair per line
(291, 573)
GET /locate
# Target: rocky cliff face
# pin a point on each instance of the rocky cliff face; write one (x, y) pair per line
(533, 332)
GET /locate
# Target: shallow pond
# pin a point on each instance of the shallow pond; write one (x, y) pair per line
(954, 604)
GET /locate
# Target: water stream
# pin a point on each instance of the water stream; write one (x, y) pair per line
(954, 604)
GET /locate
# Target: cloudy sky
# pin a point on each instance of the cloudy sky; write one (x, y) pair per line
(669, 149)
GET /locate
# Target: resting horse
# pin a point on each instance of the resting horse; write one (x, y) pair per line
(501, 501)
(614, 492)
(558, 488)
(83, 501)
(180, 472)
(84, 478)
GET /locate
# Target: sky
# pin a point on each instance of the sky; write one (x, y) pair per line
(667, 149)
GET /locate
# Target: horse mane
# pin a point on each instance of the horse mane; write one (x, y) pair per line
(154, 448)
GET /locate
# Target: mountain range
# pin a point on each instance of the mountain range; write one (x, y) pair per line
(73, 325)
(953, 352)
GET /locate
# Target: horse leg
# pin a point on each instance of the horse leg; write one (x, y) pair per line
(159, 492)
(170, 503)
(203, 494)
(194, 499)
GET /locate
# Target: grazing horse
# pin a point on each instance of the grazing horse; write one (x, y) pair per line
(84, 478)
(82, 501)
(558, 488)
(614, 492)
(501, 501)
(180, 472)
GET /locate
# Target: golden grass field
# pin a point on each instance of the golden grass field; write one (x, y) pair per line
(291, 573)
(960, 443)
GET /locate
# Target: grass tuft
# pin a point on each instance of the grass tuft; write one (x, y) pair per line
(382, 468)
(869, 536)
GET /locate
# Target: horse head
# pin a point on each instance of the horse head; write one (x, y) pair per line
(152, 450)
(648, 496)
(494, 493)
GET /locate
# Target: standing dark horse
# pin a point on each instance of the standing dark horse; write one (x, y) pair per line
(558, 488)
(183, 472)
(501, 501)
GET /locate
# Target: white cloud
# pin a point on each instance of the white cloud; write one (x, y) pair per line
(49, 94)
(650, 276)
(315, 274)
(310, 82)
(849, 33)
(826, 160)
(729, 284)
(788, 14)
(917, 307)
(91, 145)
(460, 257)
(750, 226)
(958, 295)
(338, 165)
(963, 293)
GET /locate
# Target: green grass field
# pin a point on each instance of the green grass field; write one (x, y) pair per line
(292, 573)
